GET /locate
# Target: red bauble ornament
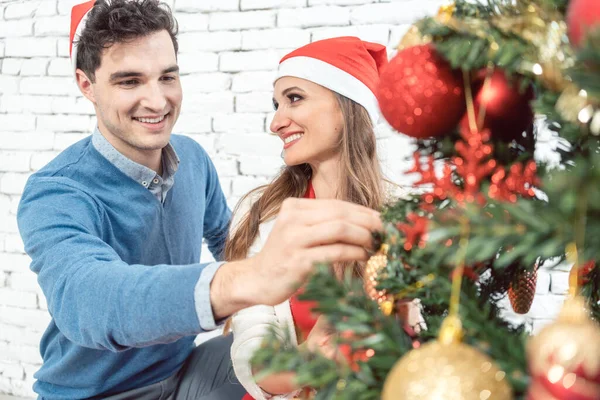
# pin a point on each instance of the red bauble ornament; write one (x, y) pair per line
(419, 94)
(582, 16)
(584, 272)
(507, 110)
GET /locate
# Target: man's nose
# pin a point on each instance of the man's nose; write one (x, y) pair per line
(154, 98)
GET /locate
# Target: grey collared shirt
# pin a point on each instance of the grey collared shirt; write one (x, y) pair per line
(158, 185)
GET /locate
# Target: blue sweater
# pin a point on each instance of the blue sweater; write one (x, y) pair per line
(118, 268)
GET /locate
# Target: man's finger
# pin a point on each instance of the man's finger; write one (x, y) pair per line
(336, 253)
(361, 216)
(331, 204)
(334, 232)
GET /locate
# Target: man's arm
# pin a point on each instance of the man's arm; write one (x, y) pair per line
(96, 299)
(216, 212)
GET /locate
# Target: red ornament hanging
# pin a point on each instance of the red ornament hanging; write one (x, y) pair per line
(474, 163)
(582, 16)
(584, 272)
(419, 94)
(415, 230)
(519, 181)
(427, 176)
(507, 111)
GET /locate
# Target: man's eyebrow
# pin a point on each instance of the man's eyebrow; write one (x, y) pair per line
(134, 74)
(124, 74)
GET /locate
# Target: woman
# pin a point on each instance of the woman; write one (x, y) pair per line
(325, 114)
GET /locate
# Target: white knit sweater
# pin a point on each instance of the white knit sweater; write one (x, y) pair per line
(251, 325)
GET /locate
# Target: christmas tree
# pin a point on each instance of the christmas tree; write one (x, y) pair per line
(466, 85)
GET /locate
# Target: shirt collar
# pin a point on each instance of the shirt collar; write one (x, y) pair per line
(139, 173)
(170, 161)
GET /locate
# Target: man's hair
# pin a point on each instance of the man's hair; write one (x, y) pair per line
(119, 21)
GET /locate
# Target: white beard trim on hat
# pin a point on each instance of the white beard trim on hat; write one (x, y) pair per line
(332, 78)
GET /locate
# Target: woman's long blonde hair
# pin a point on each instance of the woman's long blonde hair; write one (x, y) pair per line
(361, 181)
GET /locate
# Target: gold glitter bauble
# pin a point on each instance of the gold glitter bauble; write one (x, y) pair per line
(413, 37)
(547, 32)
(438, 371)
(564, 358)
(570, 103)
(555, 56)
(446, 11)
(374, 266)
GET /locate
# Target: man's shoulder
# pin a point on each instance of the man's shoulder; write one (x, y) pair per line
(77, 168)
(192, 156)
(67, 160)
(185, 144)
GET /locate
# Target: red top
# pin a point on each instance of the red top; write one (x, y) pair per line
(304, 319)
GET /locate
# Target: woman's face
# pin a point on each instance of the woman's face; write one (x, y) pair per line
(308, 119)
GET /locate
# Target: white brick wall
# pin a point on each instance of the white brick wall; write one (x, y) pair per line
(229, 50)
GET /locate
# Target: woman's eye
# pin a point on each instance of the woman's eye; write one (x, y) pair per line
(275, 105)
(294, 98)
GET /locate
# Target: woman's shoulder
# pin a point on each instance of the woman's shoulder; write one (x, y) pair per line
(242, 209)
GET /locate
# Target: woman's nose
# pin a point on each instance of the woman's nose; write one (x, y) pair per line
(280, 121)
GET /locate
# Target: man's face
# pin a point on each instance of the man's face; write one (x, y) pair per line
(137, 95)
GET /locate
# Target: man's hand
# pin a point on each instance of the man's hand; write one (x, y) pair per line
(307, 231)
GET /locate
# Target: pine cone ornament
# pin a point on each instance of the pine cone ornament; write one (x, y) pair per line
(522, 290)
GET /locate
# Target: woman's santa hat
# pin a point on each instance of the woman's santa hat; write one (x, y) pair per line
(346, 65)
(79, 14)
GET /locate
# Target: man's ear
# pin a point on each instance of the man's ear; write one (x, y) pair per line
(85, 85)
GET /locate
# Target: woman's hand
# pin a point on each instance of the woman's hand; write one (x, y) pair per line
(322, 339)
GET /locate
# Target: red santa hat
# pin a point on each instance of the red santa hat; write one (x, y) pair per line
(346, 65)
(79, 15)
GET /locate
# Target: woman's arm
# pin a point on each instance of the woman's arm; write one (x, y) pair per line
(320, 339)
(250, 327)
(281, 383)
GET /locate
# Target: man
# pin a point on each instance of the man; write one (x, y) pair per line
(114, 224)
